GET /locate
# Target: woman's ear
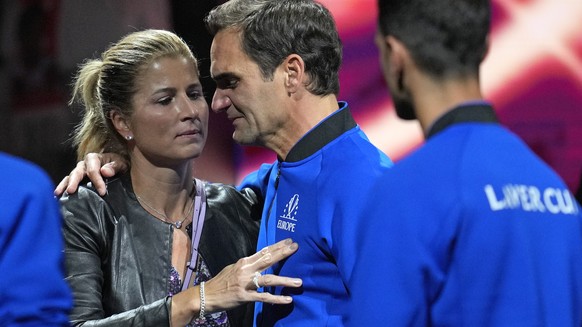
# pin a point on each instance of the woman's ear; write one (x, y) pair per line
(294, 68)
(121, 124)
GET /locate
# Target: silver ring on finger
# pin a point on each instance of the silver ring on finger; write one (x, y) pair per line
(256, 279)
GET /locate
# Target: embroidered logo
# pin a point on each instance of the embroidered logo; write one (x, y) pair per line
(290, 214)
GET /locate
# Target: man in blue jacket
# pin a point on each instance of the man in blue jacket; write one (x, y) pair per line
(476, 229)
(33, 291)
(276, 67)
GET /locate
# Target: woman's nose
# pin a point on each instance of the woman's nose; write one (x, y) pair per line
(189, 109)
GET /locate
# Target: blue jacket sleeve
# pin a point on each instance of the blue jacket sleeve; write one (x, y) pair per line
(402, 256)
(387, 278)
(258, 180)
(33, 291)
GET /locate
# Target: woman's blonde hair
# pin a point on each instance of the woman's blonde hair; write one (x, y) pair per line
(109, 83)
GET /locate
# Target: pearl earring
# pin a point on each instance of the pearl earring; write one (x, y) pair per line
(129, 137)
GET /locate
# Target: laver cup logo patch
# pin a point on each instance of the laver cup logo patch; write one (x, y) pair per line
(287, 220)
(530, 198)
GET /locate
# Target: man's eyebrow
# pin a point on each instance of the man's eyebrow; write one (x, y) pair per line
(223, 76)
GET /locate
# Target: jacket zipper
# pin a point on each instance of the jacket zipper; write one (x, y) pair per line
(272, 202)
(270, 289)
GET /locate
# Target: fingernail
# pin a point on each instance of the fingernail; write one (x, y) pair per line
(297, 281)
(288, 241)
(288, 298)
(293, 246)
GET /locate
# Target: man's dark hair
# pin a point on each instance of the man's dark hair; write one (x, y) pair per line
(446, 38)
(273, 29)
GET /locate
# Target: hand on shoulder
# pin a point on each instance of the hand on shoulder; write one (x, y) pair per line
(95, 166)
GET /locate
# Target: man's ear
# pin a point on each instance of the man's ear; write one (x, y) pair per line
(121, 124)
(294, 69)
(487, 47)
(398, 59)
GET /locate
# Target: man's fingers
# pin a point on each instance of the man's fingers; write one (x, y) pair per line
(108, 169)
(93, 170)
(62, 186)
(112, 168)
(75, 177)
(92, 162)
(95, 166)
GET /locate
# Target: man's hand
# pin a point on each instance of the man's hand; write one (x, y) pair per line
(96, 166)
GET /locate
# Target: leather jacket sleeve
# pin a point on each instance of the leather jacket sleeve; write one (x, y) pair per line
(231, 228)
(230, 233)
(87, 221)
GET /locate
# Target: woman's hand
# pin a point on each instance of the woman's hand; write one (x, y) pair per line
(96, 166)
(235, 286)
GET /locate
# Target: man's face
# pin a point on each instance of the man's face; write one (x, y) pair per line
(252, 104)
(402, 102)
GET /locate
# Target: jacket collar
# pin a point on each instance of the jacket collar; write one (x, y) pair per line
(479, 111)
(326, 131)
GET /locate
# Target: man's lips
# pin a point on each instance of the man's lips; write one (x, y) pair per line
(232, 119)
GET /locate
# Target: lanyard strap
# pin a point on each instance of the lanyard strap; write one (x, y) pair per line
(197, 223)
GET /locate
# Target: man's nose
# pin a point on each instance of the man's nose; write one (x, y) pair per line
(220, 101)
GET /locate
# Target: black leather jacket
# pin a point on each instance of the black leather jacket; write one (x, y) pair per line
(118, 256)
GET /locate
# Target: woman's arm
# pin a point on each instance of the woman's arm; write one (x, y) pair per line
(84, 231)
(235, 286)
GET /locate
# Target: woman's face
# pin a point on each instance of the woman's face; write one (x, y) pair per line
(170, 118)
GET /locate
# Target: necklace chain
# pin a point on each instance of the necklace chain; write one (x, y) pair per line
(177, 224)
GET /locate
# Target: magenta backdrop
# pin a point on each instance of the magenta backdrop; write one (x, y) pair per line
(532, 74)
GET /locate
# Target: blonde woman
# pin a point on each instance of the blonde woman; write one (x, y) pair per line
(160, 248)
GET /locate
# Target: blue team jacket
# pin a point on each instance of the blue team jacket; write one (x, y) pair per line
(33, 291)
(472, 229)
(316, 197)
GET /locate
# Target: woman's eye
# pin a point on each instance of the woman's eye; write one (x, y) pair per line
(165, 101)
(194, 95)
